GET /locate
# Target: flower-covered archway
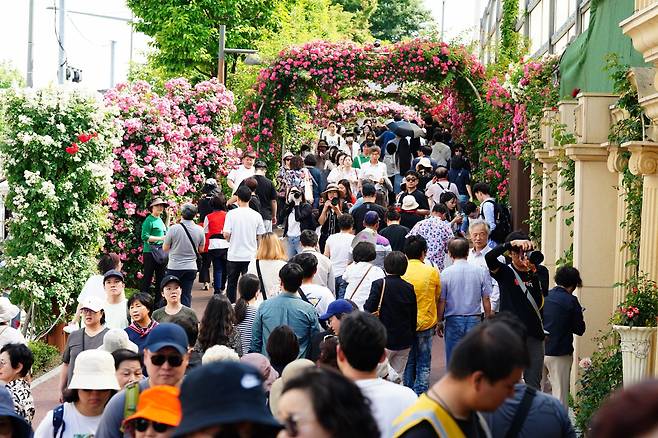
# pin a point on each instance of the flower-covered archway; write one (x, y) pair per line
(314, 75)
(350, 110)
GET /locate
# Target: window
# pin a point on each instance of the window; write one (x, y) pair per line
(535, 28)
(585, 18)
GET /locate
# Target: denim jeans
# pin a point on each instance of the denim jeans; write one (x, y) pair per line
(456, 328)
(218, 269)
(186, 277)
(294, 246)
(341, 286)
(417, 371)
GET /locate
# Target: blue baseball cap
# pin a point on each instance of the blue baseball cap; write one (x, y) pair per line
(167, 334)
(337, 307)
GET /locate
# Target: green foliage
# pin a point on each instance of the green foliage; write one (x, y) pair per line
(392, 20)
(186, 33)
(510, 47)
(45, 356)
(640, 307)
(599, 379)
(9, 75)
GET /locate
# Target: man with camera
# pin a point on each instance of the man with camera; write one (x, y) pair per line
(522, 293)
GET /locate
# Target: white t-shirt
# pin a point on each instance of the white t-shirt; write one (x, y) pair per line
(244, 225)
(340, 251)
(353, 275)
(319, 296)
(294, 227)
(77, 425)
(116, 315)
(333, 140)
(270, 270)
(9, 335)
(92, 288)
(387, 401)
(375, 172)
(239, 174)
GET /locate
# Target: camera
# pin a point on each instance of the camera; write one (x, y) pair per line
(296, 194)
(535, 257)
(335, 201)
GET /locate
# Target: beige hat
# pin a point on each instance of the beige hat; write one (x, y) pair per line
(117, 339)
(409, 203)
(158, 201)
(8, 311)
(94, 369)
(424, 162)
(332, 187)
(292, 370)
(93, 303)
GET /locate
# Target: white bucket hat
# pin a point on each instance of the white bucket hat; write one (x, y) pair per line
(8, 311)
(94, 369)
(409, 203)
(117, 339)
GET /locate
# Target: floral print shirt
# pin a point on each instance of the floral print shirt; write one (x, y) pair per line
(437, 233)
(21, 394)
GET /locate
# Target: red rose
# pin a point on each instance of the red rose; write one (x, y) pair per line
(73, 149)
(84, 138)
(575, 92)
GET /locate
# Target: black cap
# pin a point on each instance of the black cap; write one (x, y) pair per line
(169, 279)
(223, 393)
(113, 273)
(260, 164)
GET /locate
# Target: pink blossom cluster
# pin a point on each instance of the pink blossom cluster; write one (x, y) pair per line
(171, 144)
(349, 110)
(451, 111)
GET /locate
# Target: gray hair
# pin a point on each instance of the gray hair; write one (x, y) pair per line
(475, 222)
(188, 211)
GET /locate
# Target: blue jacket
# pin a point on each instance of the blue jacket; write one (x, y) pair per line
(563, 317)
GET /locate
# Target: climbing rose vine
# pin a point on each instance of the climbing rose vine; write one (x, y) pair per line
(171, 144)
(348, 111)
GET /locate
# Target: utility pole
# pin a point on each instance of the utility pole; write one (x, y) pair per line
(61, 71)
(113, 50)
(222, 51)
(30, 43)
(443, 16)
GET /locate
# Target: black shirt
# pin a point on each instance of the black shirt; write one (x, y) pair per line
(396, 235)
(360, 212)
(563, 318)
(398, 312)
(512, 297)
(410, 218)
(421, 199)
(266, 193)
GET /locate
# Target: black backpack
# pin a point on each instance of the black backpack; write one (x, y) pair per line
(503, 221)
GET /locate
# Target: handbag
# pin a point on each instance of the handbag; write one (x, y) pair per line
(159, 255)
(199, 259)
(381, 298)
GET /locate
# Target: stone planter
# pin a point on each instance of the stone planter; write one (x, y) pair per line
(635, 351)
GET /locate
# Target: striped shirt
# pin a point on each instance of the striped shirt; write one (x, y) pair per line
(244, 328)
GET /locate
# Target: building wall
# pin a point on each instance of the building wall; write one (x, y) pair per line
(547, 25)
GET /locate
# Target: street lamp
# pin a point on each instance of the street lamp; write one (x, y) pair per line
(252, 58)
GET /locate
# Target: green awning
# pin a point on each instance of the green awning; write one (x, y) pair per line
(582, 65)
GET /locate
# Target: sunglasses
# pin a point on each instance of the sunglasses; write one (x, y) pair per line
(411, 179)
(142, 424)
(173, 361)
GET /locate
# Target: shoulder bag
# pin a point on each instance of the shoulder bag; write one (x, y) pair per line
(528, 295)
(358, 285)
(260, 278)
(199, 259)
(158, 253)
(381, 298)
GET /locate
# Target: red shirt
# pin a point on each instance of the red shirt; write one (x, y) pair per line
(215, 225)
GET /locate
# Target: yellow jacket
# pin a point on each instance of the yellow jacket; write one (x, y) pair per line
(427, 285)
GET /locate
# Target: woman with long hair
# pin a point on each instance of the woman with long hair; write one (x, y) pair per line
(345, 171)
(246, 307)
(216, 245)
(270, 258)
(455, 218)
(217, 326)
(331, 406)
(346, 192)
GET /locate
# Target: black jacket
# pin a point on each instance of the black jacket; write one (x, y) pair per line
(398, 312)
(303, 215)
(563, 318)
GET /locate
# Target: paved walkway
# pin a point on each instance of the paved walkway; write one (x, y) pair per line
(46, 394)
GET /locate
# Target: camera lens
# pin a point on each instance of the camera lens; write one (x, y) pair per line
(535, 257)
(335, 201)
(296, 195)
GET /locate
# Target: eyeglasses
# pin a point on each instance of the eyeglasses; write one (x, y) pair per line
(141, 424)
(412, 179)
(173, 361)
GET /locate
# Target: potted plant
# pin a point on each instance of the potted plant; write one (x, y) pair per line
(635, 321)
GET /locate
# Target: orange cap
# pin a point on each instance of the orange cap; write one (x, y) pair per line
(159, 404)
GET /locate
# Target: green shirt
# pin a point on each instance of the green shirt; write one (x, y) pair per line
(152, 226)
(359, 160)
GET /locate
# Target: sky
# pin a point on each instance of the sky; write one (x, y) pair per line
(87, 39)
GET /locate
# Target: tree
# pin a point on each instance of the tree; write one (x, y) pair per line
(392, 20)
(186, 33)
(9, 75)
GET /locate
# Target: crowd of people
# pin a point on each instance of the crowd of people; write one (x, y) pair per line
(331, 286)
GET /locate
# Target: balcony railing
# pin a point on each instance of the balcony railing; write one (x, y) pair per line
(643, 4)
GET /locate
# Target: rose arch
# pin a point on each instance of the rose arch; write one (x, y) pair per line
(315, 77)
